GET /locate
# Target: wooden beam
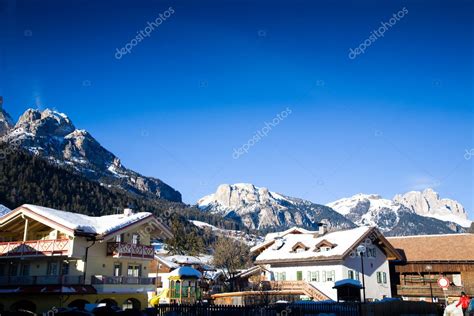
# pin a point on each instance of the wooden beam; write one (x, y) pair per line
(25, 232)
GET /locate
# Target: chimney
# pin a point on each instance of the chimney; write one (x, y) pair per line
(323, 228)
(127, 211)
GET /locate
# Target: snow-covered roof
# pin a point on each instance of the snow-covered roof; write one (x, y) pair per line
(181, 260)
(291, 230)
(344, 241)
(80, 223)
(250, 271)
(170, 264)
(101, 225)
(185, 272)
(347, 282)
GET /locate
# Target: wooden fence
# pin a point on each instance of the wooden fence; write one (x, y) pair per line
(213, 310)
(393, 308)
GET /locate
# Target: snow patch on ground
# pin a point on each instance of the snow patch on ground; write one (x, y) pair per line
(249, 239)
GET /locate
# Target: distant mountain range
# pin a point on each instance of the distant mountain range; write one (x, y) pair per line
(53, 136)
(401, 216)
(259, 208)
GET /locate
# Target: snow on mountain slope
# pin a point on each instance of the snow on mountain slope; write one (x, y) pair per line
(249, 239)
(390, 216)
(4, 210)
(6, 122)
(428, 203)
(259, 208)
(53, 136)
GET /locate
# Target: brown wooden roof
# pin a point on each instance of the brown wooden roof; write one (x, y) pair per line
(454, 247)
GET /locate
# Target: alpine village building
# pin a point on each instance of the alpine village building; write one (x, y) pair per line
(53, 258)
(311, 262)
(429, 257)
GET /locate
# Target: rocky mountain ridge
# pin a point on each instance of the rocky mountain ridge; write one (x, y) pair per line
(392, 217)
(53, 136)
(259, 208)
(428, 203)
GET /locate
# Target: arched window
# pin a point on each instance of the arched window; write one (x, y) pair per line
(131, 303)
(23, 305)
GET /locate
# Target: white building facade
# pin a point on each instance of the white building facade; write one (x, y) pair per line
(320, 259)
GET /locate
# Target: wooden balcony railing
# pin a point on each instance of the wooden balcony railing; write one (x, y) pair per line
(121, 249)
(32, 248)
(41, 280)
(103, 279)
(303, 286)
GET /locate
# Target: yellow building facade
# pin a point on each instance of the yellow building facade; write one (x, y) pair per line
(52, 258)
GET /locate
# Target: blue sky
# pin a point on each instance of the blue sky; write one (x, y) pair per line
(396, 118)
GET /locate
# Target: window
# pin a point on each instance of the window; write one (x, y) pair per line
(117, 269)
(65, 268)
(134, 270)
(119, 238)
(379, 277)
(299, 275)
(13, 270)
(52, 268)
(25, 269)
(330, 276)
(384, 277)
(352, 274)
(280, 276)
(299, 247)
(135, 239)
(457, 279)
(313, 276)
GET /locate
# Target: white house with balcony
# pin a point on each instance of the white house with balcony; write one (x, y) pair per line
(312, 261)
(51, 257)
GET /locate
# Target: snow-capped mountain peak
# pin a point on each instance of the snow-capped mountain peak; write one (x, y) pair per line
(258, 207)
(239, 195)
(428, 203)
(345, 205)
(404, 214)
(52, 135)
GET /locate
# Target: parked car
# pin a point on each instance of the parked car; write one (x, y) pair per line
(470, 309)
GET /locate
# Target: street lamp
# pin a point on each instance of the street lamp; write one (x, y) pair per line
(361, 250)
(428, 268)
